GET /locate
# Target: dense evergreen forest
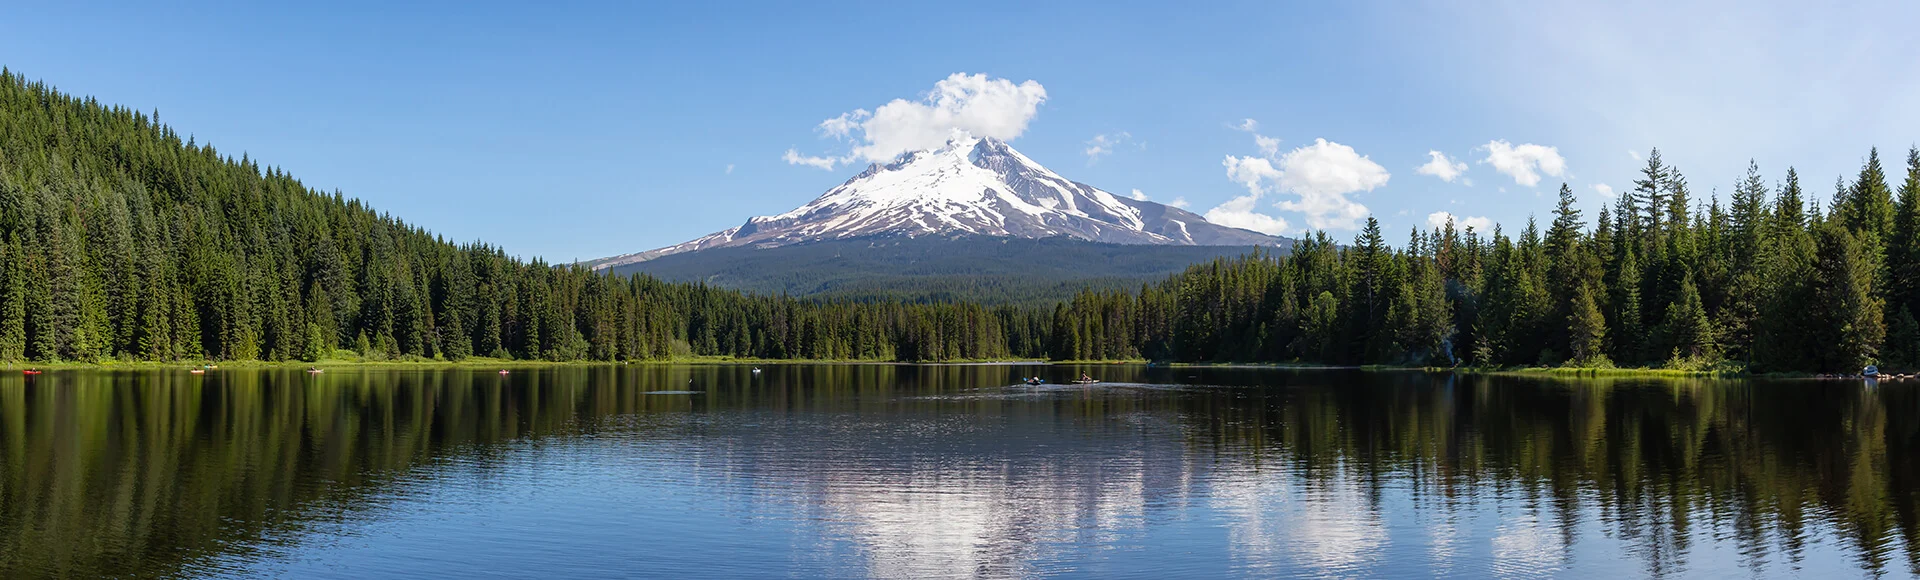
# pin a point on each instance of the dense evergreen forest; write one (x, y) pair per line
(1768, 282)
(121, 240)
(988, 270)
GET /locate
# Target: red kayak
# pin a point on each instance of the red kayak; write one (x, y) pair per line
(30, 372)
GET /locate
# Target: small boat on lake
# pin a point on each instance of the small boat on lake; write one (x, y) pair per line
(30, 372)
(503, 371)
(197, 371)
(315, 371)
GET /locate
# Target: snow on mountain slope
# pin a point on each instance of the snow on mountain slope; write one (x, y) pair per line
(969, 186)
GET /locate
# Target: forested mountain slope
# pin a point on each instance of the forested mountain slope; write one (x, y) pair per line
(984, 269)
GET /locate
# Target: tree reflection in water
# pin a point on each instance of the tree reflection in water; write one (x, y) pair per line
(928, 469)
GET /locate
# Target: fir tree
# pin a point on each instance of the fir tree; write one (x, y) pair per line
(1848, 324)
(1587, 328)
(1688, 332)
(1650, 195)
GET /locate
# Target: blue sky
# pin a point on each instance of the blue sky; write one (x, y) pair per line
(584, 130)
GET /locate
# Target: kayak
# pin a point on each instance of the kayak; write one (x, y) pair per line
(1086, 382)
(198, 371)
(29, 372)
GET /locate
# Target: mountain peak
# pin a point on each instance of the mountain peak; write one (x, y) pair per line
(977, 186)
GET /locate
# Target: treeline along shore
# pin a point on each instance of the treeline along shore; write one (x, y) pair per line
(120, 240)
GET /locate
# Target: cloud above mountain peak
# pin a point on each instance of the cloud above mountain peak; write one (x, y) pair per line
(976, 104)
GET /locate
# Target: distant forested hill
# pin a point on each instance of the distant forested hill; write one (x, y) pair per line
(990, 270)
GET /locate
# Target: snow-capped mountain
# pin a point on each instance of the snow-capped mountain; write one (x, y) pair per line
(970, 186)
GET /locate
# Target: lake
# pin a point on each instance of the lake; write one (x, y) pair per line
(900, 471)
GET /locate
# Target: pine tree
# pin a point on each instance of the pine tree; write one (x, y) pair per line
(1319, 329)
(1903, 247)
(1870, 202)
(1748, 213)
(1688, 333)
(1587, 329)
(1790, 214)
(1903, 340)
(1626, 314)
(1848, 319)
(13, 300)
(1650, 194)
(1563, 252)
(1367, 308)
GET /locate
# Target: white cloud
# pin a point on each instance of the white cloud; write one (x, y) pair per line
(1139, 195)
(729, 169)
(1441, 167)
(1321, 174)
(1269, 146)
(793, 157)
(1238, 213)
(1251, 172)
(1439, 219)
(844, 125)
(1179, 202)
(1525, 162)
(1604, 190)
(973, 104)
(1634, 154)
(1103, 144)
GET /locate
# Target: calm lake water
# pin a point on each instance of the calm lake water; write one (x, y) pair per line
(945, 471)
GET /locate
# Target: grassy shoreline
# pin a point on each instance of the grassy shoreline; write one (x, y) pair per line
(473, 362)
(485, 362)
(1596, 372)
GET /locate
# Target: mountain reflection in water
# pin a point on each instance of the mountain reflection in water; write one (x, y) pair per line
(916, 471)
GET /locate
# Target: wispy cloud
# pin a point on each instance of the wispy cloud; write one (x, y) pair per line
(1103, 144)
(793, 157)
